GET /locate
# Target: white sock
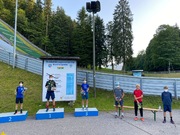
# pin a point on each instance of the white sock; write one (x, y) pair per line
(83, 106)
(122, 113)
(115, 113)
(86, 105)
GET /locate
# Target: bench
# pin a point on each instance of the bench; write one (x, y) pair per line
(144, 108)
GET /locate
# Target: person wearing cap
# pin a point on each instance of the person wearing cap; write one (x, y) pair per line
(19, 92)
(118, 96)
(51, 87)
(167, 103)
(85, 93)
(138, 102)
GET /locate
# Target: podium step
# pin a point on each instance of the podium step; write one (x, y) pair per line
(90, 112)
(11, 117)
(42, 114)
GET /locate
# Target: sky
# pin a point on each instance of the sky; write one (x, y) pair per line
(148, 15)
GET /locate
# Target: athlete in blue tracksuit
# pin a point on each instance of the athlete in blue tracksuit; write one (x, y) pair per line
(85, 93)
(167, 101)
(19, 92)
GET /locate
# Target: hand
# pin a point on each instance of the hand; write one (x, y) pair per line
(53, 88)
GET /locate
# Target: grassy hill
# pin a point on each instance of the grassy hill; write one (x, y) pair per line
(9, 79)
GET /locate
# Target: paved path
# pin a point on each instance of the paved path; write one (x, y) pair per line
(104, 124)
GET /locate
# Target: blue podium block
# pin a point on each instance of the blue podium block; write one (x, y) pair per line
(11, 117)
(42, 114)
(90, 112)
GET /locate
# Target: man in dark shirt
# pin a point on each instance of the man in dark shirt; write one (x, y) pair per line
(167, 101)
(51, 87)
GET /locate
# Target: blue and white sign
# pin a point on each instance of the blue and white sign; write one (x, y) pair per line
(64, 74)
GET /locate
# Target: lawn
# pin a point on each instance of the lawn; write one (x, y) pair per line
(9, 79)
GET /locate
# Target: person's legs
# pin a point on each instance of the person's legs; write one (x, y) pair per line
(122, 108)
(47, 103)
(116, 107)
(86, 100)
(16, 106)
(141, 111)
(170, 113)
(135, 110)
(86, 103)
(53, 101)
(82, 103)
(21, 105)
(54, 104)
(164, 114)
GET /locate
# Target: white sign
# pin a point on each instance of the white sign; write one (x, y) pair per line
(64, 74)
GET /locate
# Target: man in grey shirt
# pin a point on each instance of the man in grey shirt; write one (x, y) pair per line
(118, 96)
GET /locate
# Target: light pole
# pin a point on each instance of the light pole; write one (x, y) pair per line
(15, 30)
(93, 7)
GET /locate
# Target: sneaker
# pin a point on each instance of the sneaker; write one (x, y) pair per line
(116, 116)
(142, 119)
(54, 109)
(47, 109)
(86, 108)
(164, 121)
(82, 108)
(136, 118)
(122, 116)
(172, 121)
(21, 111)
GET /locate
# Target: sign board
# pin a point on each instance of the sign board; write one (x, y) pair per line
(64, 74)
(137, 73)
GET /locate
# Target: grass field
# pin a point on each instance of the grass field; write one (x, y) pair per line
(9, 79)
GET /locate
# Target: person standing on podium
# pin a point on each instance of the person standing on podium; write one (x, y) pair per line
(85, 93)
(51, 87)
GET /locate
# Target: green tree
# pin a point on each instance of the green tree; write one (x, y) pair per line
(82, 43)
(122, 33)
(163, 49)
(22, 22)
(101, 50)
(108, 42)
(139, 61)
(60, 32)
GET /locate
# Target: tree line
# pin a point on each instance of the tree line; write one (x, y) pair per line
(163, 51)
(60, 35)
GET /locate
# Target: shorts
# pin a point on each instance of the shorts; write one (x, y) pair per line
(85, 96)
(19, 100)
(121, 103)
(50, 95)
(167, 108)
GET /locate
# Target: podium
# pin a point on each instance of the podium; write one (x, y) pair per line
(79, 112)
(11, 117)
(42, 114)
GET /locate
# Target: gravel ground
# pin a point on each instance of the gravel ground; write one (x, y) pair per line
(104, 124)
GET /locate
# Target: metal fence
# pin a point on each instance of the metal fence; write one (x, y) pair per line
(149, 85)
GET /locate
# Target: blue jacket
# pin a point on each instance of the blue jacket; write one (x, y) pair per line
(166, 98)
(20, 92)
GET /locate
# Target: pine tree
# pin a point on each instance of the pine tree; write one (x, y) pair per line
(101, 52)
(122, 33)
